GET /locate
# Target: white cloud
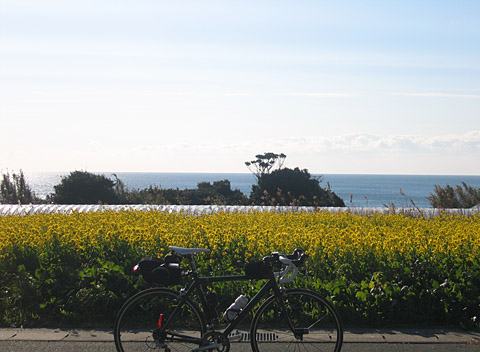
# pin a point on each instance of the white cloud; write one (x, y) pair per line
(371, 143)
(350, 153)
(439, 95)
(317, 95)
(349, 143)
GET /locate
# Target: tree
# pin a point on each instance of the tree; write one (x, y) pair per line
(82, 187)
(449, 197)
(265, 162)
(220, 192)
(14, 189)
(285, 186)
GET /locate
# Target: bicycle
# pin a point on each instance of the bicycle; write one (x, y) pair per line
(169, 320)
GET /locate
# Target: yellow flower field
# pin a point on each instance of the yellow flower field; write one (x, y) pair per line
(241, 236)
(374, 267)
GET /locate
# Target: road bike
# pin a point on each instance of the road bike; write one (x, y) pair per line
(161, 318)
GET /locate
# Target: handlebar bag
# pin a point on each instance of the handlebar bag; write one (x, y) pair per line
(257, 270)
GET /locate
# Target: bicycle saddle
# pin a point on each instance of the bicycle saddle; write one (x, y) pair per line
(187, 251)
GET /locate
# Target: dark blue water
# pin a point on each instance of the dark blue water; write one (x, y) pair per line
(355, 190)
(382, 190)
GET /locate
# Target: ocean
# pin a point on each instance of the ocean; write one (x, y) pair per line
(355, 190)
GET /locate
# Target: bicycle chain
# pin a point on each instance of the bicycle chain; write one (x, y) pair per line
(215, 341)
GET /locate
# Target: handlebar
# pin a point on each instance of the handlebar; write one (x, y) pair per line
(298, 258)
(290, 264)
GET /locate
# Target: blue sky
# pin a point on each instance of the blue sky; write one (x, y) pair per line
(384, 87)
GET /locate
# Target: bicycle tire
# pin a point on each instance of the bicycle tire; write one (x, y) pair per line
(137, 323)
(317, 324)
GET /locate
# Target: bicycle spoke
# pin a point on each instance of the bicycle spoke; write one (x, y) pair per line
(316, 324)
(137, 326)
(318, 321)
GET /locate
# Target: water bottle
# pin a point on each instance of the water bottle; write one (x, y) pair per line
(235, 308)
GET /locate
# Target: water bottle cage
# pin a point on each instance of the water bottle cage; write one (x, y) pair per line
(229, 312)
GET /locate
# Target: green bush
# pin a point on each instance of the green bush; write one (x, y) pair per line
(292, 187)
(206, 193)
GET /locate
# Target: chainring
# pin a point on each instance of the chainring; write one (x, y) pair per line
(218, 341)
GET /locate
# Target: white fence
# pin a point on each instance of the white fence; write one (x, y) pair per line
(9, 209)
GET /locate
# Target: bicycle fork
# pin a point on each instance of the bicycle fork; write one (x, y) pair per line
(297, 332)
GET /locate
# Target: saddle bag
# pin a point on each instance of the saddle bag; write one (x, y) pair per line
(159, 272)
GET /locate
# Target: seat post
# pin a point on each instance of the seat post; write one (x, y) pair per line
(192, 265)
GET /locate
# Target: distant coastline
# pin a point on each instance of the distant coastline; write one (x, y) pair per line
(362, 190)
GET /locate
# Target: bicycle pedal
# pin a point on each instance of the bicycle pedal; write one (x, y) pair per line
(212, 346)
(237, 336)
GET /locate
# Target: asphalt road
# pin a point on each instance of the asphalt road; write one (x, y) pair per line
(355, 340)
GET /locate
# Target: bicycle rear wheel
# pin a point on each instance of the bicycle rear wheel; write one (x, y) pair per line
(146, 322)
(317, 326)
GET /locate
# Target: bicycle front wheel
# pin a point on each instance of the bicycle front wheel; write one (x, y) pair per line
(316, 324)
(154, 319)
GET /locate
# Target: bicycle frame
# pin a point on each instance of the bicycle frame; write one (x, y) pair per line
(197, 283)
